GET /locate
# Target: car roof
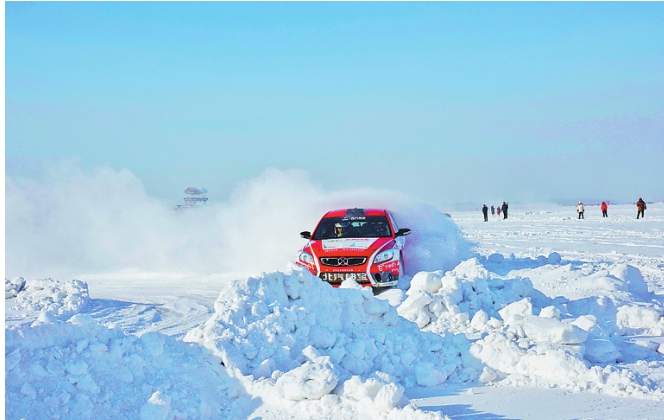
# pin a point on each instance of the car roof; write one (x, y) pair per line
(349, 212)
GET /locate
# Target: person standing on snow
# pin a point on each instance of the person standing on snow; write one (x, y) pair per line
(493, 210)
(504, 208)
(485, 211)
(579, 209)
(640, 206)
(498, 210)
(604, 208)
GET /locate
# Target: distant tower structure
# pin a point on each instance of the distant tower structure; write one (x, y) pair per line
(194, 196)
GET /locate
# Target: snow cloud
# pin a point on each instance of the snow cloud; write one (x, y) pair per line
(79, 221)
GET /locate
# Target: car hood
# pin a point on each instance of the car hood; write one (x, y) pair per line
(345, 245)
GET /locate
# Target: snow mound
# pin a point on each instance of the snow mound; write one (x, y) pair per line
(622, 281)
(293, 325)
(632, 280)
(51, 299)
(464, 300)
(614, 298)
(523, 338)
(76, 368)
(79, 369)
(516, 360)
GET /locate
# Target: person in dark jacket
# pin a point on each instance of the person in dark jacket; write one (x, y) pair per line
(640, 207)
(493, 210)
(485, 211)
(504, 208)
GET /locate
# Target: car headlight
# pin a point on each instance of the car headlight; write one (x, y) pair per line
(384, 256)
(306, 257)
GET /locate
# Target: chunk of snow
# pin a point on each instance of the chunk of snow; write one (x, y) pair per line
(549, 330)
(632, 277)
(600, 350)
(426, 281)
(310, 381)
(638, 317)
(516, 311)
(550, 312)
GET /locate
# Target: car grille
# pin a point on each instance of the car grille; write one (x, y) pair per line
(340, 277)
(343, 261)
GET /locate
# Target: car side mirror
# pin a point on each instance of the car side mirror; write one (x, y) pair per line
(403, 232)
(306, 234)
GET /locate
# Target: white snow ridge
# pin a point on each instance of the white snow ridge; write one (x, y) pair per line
(292, 337)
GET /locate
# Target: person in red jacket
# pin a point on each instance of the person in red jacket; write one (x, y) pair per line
(604, 208)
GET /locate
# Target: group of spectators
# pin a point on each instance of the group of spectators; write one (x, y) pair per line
(640, 208)
(503, 208)
(604, 207)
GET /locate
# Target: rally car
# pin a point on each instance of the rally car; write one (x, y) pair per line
(365, 245)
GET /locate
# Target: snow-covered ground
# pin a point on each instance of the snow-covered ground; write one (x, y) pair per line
(538, 316)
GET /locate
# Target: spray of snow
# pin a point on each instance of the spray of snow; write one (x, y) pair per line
(85, 222)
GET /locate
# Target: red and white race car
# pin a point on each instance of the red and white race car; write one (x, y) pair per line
(361, 244)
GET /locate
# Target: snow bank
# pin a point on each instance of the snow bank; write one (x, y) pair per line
(306, 340)
(65, 365)
(464, 300)
(79, 369)
(71, 367)
(292, 337)
(287, 343)
(519, 361)
(523, 338)
(51, 299)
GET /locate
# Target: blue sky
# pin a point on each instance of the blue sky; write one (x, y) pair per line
(448, 102)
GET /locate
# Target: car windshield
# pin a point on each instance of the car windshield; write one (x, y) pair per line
(355, 227)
